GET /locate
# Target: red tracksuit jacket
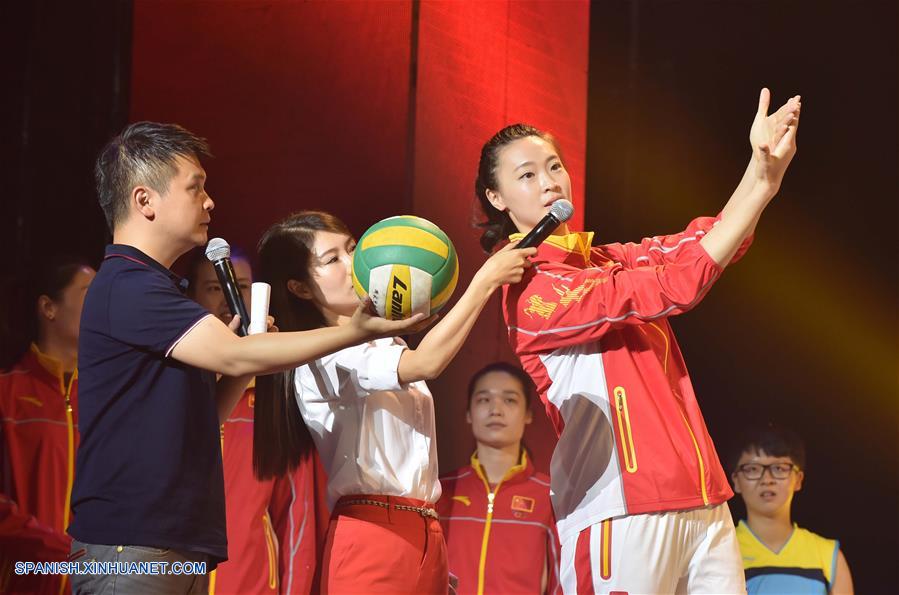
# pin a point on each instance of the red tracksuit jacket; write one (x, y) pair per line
(500, 540)
(276, 527)
(38, 438)
(590, 327)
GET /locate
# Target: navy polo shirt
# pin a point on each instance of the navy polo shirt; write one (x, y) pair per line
(149, 466)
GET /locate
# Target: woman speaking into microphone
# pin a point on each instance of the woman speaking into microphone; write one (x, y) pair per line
(638, 491)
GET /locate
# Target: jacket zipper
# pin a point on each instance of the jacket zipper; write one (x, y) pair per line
(704, 490)
(211, 590)
(482, 564)
(624, 430)
(70, 427)
(270, 546)
(491, 497)
(70, 479)
(705, 494)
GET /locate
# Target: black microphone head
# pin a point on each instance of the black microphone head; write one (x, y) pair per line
(218, 249)
(561, 210)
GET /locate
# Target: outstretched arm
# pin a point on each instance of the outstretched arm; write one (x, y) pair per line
(773, 140)
(442, 343)
(212, 346)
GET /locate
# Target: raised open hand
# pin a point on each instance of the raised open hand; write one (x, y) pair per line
(773, 139)
(769, 129)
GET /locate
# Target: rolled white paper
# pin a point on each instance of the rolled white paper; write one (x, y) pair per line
(260, 294)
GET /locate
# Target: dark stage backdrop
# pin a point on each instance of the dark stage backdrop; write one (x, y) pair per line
(803, 330)
(367, 110)
(64, 93)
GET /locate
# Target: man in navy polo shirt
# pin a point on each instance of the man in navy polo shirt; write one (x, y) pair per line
(148, 482)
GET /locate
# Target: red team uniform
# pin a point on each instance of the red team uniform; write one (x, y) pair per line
(589, 325)
(37, 459)
(275, 527)
(500, 540)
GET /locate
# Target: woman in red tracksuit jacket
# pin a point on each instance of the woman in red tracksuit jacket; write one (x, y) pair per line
(39, 430)
(496, 513)
(637, 487)
(276, 526)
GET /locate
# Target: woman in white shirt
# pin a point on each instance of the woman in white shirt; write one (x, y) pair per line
(366, 409)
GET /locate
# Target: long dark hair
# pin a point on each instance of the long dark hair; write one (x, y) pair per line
(280, 436)
(498, 225)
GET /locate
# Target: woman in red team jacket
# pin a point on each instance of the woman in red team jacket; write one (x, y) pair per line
(496, 513)
(39, 433)
(638, 491)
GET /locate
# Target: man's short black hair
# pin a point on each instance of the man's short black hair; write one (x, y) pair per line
(772, 440)
(143, 154)
(527, 387)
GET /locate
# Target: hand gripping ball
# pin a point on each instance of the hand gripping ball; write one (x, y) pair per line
(407, 265)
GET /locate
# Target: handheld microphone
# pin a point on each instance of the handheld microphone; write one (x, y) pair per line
(219, 254)
(560, 212)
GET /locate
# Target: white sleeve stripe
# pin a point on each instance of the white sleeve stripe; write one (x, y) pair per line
(667, 249)
(631, 314)
(14, 372)
(293, 546)
(185, 333)
(555, 560)
(540, 271)
(453, 477)
(499, 521)
(32, 420)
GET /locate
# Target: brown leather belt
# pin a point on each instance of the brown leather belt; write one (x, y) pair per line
(422, 510)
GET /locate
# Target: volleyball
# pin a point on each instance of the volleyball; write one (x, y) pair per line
(407, 265)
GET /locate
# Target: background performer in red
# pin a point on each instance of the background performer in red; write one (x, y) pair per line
(496, 513)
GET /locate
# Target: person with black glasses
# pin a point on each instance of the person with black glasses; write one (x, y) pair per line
(779, 556)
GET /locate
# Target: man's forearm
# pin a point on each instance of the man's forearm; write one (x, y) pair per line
(212, 346)
(273, 352)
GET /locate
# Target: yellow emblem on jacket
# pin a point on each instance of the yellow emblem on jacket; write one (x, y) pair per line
(566, 295)
(523, 504)
(537, 305)
(463, 499)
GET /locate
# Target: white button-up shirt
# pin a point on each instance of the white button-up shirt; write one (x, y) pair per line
(374, 435)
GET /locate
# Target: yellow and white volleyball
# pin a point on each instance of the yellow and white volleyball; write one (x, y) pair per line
(407, 265)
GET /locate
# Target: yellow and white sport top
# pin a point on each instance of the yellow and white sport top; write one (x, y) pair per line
(807, 563)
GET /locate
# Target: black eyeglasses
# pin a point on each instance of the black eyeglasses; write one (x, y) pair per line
(756, 470)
